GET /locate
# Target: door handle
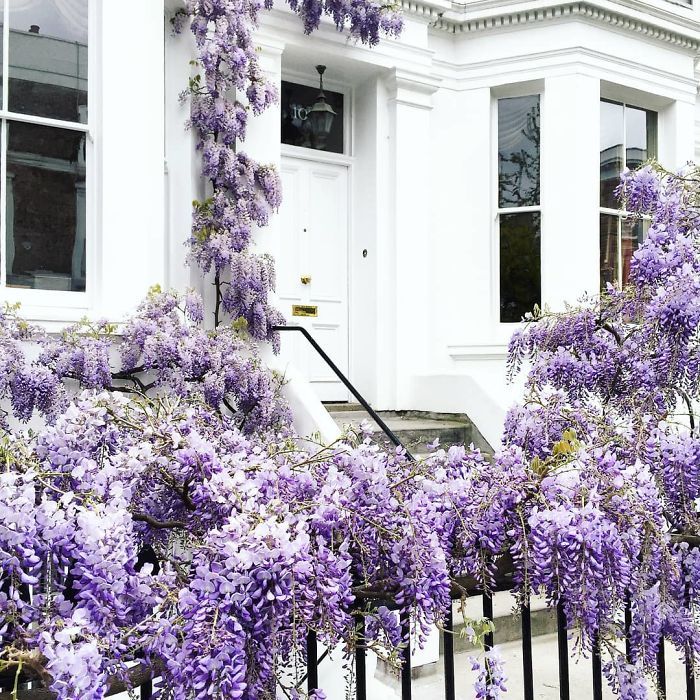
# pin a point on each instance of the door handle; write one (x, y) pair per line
(306, 279)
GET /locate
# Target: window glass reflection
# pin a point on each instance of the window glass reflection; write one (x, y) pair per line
(2, 40)
(612, 131)
(632, 232)
(519, 264)
(519, 151)
(609, 251)
(45, 208)
(48, 58)
(640, 136)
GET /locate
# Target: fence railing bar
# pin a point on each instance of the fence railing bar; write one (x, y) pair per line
(661, 669)
(597, 669)
(628, 626)
(488, 614)
(448, 648)
(406, 658)
(689, 658)
(563, 652)
(147, 690)
(311, 661)
(689, 676)
(360, 660)
(526, 625)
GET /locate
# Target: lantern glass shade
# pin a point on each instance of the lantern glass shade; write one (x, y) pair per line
(321, 116)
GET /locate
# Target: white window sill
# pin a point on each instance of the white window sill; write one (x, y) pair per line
(50, 309)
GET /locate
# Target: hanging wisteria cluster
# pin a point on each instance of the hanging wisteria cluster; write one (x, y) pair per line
(602, 502)
(230, 87)
(165, 515)
(165, 520)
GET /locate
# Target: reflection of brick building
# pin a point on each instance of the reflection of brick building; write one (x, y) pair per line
(45, 165)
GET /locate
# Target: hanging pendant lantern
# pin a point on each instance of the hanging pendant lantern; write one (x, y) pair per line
(321, 115)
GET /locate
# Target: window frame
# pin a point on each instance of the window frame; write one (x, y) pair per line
(529, 89)
(49, 304)
(620, 213)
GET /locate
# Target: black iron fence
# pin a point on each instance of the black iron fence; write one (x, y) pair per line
(530, 681)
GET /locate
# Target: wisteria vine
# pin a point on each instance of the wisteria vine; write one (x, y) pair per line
(604, 513)
(230, 87)
(165, 520)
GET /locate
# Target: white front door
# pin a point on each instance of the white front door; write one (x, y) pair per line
(312, 269)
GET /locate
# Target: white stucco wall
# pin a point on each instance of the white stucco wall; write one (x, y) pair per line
(424, 303)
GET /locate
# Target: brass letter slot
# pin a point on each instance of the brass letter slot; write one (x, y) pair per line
(298, 310)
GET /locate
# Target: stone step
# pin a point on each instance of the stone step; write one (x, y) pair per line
(342, 407)
(507, 623)
(507, 619)
(414, 432)
(415, 429)
(429, 683)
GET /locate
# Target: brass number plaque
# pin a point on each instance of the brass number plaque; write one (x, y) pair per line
(299, 310)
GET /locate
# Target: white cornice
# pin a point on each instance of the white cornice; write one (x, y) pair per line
(666, 86)
(676, 25)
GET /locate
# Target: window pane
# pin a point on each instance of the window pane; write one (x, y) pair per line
(611, 155)
(633, 232)
(297, 123)
(45, 208)
(519, 151)
(48, 58)
(609, 250)
(519, 264)
(635, 137)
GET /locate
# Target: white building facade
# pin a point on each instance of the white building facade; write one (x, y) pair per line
(469, 175)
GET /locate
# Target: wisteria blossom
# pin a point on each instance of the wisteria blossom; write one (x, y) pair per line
(167, 513)
(609, 444)
(160, 517)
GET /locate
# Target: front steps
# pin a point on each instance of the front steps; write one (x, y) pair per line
(416, 429)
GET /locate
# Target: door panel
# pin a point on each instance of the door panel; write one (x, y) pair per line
(314, 246)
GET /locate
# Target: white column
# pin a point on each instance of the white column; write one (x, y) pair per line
(465, 278)
(181, 173)
(570, 129)
(130, 144)
(263, 137)
(405, 301)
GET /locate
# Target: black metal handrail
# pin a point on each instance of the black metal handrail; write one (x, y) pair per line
(348, 385)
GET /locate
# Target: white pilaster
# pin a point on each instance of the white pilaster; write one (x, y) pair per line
(405, 249)
(181, 172)
(263, 138)
(130, 97)
(570, 130)
(677, 133)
